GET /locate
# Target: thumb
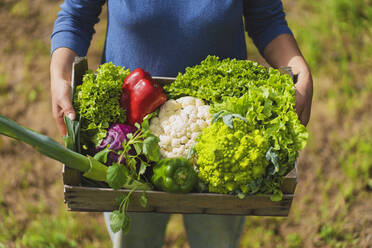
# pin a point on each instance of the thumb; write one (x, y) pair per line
(67, 108)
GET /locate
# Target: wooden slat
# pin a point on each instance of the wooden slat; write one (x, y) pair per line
(79, 67)
(70, 176)
(290, 182)
(164, 80)
(103, 199)
(90, 199)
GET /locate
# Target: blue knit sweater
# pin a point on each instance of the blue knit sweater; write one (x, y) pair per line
(165, 36)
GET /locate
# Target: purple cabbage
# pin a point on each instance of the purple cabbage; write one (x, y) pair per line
(116, 134)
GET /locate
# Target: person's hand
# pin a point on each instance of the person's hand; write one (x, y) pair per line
(283, 51)
(61, 103)
(60, 78)
(304, 88)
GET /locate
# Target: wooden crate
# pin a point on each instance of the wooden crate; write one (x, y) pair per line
(95, 199)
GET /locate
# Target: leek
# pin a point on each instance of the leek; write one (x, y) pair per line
(92, 168)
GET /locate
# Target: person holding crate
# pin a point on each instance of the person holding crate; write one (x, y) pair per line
(165, 37)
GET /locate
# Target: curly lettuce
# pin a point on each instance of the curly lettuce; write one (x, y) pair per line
(96, 100)
(269, 107)
(254, 115)
(213, 79)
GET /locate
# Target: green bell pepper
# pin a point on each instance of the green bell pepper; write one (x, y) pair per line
(175, 175)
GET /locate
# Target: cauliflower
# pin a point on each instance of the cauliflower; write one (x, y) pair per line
(179, 124)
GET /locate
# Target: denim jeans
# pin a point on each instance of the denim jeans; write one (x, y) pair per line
(204, 231)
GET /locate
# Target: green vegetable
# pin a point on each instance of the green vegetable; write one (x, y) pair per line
(96, 100)
(72, 139)
(213, 79)
(175, 175)
(117, 175)
(269, 108)
(51, 148)
(227, 118)
(255, 134)
(119, 220)
(126, 175)
(91, 167)
(231, 159)
(146, 149)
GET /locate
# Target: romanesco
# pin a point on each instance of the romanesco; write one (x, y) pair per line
(231, 159)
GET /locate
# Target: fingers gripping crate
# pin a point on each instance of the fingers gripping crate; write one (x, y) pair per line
(80, 197)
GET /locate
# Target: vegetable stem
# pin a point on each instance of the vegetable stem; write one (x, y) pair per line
(44, 144)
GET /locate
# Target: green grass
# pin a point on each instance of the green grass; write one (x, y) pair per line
(335, 236)
(20, 9)
(43, 229)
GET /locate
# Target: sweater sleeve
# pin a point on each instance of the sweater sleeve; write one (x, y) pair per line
(74, 25)
(264, 21)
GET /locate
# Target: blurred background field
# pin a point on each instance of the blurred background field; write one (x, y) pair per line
(333, 203)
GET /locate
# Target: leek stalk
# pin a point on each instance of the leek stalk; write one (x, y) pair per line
(51, 148)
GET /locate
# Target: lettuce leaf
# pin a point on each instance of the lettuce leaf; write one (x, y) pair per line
(263, 98)
(97, 101)
(213, 79)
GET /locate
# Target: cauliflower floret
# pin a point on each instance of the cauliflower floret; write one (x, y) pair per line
(165, 126)
(189, 144)
(199, 103)
(164, 153)
(176, 142)
(165, 140)
(183, 140)
(191, 112)
(201, 124)
(194, 126)
(203, 112)
(188, 134)
(194, 136)
(178, 151)
(187, 101)
(156, 121)
(172, 118)
(179, 123)
(156, 128)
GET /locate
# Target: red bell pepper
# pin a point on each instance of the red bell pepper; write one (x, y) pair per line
(134, 77)
(141, 95)
(125, 100)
